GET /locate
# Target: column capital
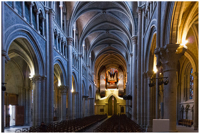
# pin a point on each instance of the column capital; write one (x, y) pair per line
(195, 75)
(169, 56)
(149, 74)
(63, 89)
(44, 77)
(46, 10)
(80, 54)
(69, 40)
(51, 11)
(36, 78)
(140, 9)
(4, 54)
(134, 38)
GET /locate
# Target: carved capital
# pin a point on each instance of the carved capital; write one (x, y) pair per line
(44, 77)
(46, 10)
(4, 54)
(169, 56)
(63, 89)
(69, 40)
(149, 74)
(134, 38)
(36, 78)
(139, 10)
(52, 12)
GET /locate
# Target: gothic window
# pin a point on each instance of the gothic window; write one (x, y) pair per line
(40, 23)
(61, 48)
(34, 16)
(191, 84)
(54, 40)
(57, 9)
(19, 7)
(27, 12)
(59, 45)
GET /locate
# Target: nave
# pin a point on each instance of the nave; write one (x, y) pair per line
(96, 123)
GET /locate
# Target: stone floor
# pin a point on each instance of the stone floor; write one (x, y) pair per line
(178, 127)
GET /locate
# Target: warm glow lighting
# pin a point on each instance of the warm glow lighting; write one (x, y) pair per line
(72, 90)
(155, 70)
(31, 75)
(59, 83)
(184, 42)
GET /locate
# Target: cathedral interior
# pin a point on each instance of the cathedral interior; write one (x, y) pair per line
(131, 65)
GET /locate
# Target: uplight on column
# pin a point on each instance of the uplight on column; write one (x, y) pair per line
(184, 42)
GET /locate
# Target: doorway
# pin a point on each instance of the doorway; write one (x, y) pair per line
(112, 106)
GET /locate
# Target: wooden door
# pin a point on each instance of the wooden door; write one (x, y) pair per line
(19, 115)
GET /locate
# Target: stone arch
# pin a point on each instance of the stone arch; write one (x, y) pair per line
(35, 51)
(75, 81)
(90, 91)
(60, 70)
(151, 45)
(83, 87)
(75, 97)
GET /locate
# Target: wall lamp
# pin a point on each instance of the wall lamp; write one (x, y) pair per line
(160, 81)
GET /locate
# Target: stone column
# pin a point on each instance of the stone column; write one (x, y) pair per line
(4, 59)
(51, 66)
(63, 91)
(43, 97)
(145, 98)
(195, 89)
(69, 43)
(47, 68)
(142, 70)
(80, 85)
(169, 58)
(139, 65)
(83, 104)
(23, 9)
(133, 88)
(158, 58)
(127, 91)
(37, 100)
(149, 100)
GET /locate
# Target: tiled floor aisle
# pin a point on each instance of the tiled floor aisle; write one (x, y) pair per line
(95, 126)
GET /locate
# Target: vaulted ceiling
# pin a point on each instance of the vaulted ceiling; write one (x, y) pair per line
(106, 28)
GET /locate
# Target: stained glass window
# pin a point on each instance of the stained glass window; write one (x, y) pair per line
(191, 84)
